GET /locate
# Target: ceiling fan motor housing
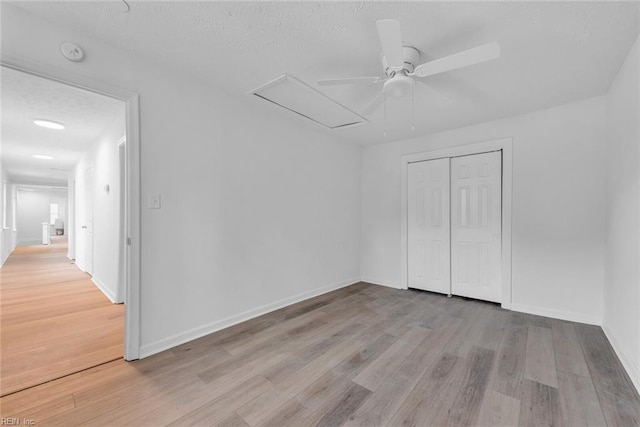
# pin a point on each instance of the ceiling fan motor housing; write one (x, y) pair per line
(411, 58)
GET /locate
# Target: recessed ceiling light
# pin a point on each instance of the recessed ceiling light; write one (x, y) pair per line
(48, 124)
(42, 156)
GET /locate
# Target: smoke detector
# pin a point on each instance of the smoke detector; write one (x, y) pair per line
(72, 51)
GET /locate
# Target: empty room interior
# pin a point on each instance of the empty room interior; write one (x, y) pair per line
(320, 213)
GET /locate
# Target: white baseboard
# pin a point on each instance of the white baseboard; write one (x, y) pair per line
(376, 281)
(627, 362)
(105, 290)
(147, 350)
(558, 314)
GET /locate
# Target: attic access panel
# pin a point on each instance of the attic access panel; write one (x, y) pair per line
(295, 95)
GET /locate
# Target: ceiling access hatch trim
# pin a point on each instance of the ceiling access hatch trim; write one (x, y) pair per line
(293, 94)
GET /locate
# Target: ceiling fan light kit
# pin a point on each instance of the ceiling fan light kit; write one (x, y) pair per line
(399, 86)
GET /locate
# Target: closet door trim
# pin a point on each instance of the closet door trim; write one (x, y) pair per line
(503, 144)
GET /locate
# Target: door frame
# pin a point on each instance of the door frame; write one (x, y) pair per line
(86, 231)
(132, 210)
(503, 144)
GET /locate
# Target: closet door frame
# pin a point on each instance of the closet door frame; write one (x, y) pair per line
(503, 144)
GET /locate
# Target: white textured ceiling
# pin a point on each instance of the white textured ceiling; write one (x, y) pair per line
(552, 52)
(26, 97)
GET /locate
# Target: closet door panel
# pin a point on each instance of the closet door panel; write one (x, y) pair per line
(476, 206)
(429, 226)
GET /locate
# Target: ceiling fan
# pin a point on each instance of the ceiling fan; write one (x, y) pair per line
(399, 64)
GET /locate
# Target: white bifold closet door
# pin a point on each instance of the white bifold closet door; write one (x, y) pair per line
(454, 226)
(476, 224)
(428, 226)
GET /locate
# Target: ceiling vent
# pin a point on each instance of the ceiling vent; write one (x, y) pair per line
(295, 95)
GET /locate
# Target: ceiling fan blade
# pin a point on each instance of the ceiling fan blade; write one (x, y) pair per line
(479, 54)
(373, 105)
(440, 98)
(391, 41)
(349, 80)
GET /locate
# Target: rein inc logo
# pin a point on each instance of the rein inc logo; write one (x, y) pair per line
(15, 421)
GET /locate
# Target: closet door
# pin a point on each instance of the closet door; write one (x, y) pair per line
(476, 199)
(428, 226)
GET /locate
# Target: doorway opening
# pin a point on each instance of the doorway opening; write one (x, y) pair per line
(119, 281)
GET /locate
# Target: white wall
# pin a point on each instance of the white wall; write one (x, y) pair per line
(558, 207)
(622, 268)
(103, 158)
(258, 209)
(33, 210)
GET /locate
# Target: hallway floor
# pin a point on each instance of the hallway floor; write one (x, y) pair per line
(54, 320)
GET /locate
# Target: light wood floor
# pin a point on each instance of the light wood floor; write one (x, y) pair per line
(363, 355)
(54, 321)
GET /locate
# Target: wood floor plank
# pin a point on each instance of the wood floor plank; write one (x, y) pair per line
(463, 342)
(508, 370)
(320, 391)
(384, 366)
(148, 374)
(526, 319)
(53, 320)
(435, 389)
(263, 407)
(301, 358)
(282, 331)
(287, 415)
(59, 405)
(141, 411)
(338, 379)
(296, 366)
(498, 409)
(540, 362)
(578, 401)
(293, 384)
(466, 405)
(618, 398)
(32, 398)
(381, 406)
(159, 412)
(539, 405)
(492, 335)
(233, 420)
(347, 403)
(224, 406)
(567, 349)
(103, 407)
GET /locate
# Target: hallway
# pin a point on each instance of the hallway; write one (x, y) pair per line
(54, 320)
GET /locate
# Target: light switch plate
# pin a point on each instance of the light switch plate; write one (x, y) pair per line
(154, 201)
